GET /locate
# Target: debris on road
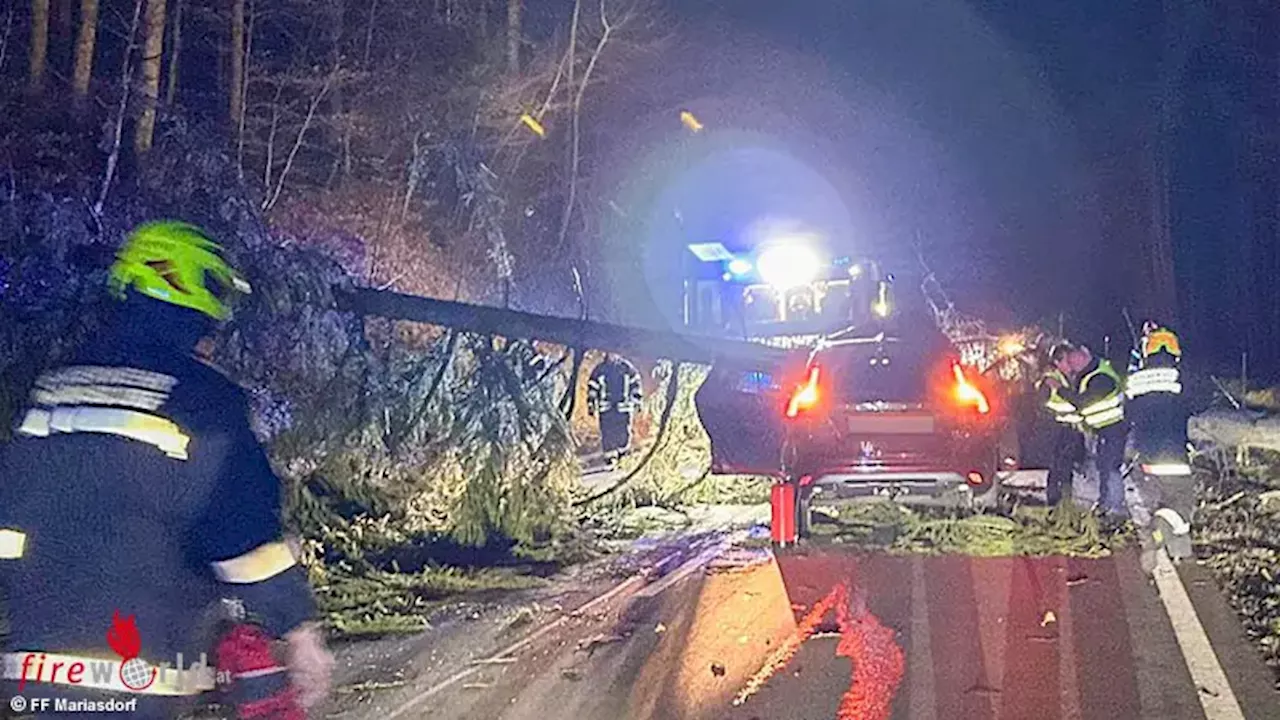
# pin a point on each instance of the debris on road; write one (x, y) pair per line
(368, 685)
(717, 669)
(477, 686)
(1234, 534)
(893, 528)
(589, 645)
(739, 559)
(496, 661)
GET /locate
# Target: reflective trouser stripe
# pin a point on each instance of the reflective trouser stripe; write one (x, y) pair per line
(165, 681)
(1176, 522)
(259, 564)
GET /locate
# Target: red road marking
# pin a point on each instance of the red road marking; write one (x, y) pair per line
(878, 662)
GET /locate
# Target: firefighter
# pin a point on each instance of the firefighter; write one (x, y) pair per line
(1065, 442)
(613, 395)
(134, 498)
(1097, 390)
(1158, 416)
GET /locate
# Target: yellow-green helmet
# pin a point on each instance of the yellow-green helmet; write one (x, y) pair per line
(177, 263)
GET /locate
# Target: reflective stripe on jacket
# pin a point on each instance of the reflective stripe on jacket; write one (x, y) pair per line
(1153, 380)
(1101, 409)
(1059, 407)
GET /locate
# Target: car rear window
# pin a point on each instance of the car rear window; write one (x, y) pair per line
(896, 372)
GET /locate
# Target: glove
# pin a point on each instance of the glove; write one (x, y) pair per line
(310, 665)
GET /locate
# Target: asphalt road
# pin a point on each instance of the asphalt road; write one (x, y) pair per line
(828, 634)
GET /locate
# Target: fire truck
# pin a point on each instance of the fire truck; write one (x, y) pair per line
(787, 293)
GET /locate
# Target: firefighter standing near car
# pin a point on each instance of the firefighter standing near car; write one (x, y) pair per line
(1097, 391)
(614, 393)
(1062, 430)
(134, 497)
(1158, 416)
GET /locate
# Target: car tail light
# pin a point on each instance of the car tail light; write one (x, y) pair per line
(975, 478)
(967, 394)
(806, 396)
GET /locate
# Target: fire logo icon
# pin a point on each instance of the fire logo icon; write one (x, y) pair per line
(123, 637)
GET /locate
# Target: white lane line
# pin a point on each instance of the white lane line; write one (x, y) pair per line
(1068, 671)
(924, 704)
(1219, 702)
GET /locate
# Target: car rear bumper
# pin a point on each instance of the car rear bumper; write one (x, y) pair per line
(938, 488)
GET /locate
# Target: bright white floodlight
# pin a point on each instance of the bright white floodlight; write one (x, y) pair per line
(788, 266)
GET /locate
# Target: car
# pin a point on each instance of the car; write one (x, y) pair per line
(862, 417)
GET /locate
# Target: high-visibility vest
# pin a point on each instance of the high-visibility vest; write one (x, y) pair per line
(1106, 411)
(1061, 409)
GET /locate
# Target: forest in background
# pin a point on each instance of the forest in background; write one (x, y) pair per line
(442, 149)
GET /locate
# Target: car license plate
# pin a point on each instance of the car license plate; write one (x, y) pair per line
(891, 424)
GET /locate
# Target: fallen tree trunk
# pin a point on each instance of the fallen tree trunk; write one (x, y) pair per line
(1234, 429)
(569, 332)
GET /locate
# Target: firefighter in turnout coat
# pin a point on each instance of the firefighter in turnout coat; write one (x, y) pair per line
(135, 498)
(614, 393)
(1158, 413)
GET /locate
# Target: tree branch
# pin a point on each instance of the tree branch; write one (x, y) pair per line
(126, 73)
(297, 143)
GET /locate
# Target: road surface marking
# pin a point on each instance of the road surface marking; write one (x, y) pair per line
(992, 579)
(789, 646)
(924, 705)
(1219, 702)
(1068, 673)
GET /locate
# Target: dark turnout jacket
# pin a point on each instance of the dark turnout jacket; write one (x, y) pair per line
(137, 484)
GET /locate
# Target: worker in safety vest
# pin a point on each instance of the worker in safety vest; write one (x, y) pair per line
(1158, 415)
(614, 393)
(1064, 439)
(134, 497)
(1097, 390)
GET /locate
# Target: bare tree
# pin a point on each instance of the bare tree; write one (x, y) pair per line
(4, 41)
(237, 64)
(126, 72)
(153, 49)
(85, 44)
(513, 36)
(39, 43)
(271, 200)
(175, 54)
